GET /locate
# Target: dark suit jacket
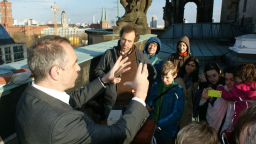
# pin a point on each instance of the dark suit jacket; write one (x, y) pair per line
(41, 118)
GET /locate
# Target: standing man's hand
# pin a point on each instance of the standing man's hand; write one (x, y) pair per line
(140, 83)
(119, 68)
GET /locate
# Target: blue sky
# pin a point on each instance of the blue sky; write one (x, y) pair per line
(82, 10)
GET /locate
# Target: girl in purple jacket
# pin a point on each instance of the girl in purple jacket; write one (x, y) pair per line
(244, 89)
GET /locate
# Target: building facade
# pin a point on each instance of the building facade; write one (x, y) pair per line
(246, 12)
(6, 13)
(28, 30)
(64, 32)
(104, 23)
(153, 22)
(240, 12)
(64, 20)
(9, 50)
(12, 52)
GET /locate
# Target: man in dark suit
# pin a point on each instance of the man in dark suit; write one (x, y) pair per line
(46, 114)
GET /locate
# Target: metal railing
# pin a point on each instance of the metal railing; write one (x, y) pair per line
(206, 31)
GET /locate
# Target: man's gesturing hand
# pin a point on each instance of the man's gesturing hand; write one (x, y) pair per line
(140, 82)
(117, 69)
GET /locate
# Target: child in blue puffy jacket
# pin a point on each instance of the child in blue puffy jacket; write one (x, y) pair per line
(165, 102)
(152, 48)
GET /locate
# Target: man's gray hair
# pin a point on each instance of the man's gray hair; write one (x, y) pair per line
(45, 53)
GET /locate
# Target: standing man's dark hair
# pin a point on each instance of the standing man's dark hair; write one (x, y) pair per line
(129, 28)
(245, 128)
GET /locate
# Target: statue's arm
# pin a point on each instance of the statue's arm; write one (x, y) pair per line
(124, 3)
(148, 3)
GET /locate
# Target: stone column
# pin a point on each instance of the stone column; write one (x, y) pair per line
(3, 55)
(24, 50)
(12, 53)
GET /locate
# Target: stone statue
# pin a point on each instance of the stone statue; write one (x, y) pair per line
(135, 13)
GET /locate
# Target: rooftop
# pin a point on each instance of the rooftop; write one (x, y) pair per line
(5, 38)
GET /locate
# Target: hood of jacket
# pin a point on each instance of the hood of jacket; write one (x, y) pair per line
(249, 88)
(186, 41)
(153, 39)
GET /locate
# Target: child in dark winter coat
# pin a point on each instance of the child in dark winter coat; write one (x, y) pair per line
(152, 48)
(166, 104)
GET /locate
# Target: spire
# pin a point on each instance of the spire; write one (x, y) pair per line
(118, 9)
(102, 15)
(106, 14)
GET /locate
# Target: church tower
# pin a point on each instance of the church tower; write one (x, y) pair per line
(104, 23)
(6, 13)
(64, 20)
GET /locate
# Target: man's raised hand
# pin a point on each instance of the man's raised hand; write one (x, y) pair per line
(140, 83)
(119, 68)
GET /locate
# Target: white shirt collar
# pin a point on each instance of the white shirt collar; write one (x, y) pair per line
(62, 96)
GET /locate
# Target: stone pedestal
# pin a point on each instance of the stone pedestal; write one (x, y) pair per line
(142, 31)
(245, 44)
(243, 51)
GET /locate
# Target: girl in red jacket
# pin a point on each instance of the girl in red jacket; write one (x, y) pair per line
(244, 89)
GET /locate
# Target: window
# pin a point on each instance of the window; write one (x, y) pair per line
(1, 60)
(8, 58)
(7, 50)
(17, 49)
(18, 56)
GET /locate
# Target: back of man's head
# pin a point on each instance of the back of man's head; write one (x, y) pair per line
(197, 133)
(45, 53)
(245, 128)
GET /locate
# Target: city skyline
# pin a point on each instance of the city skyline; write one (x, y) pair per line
(79, 11)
